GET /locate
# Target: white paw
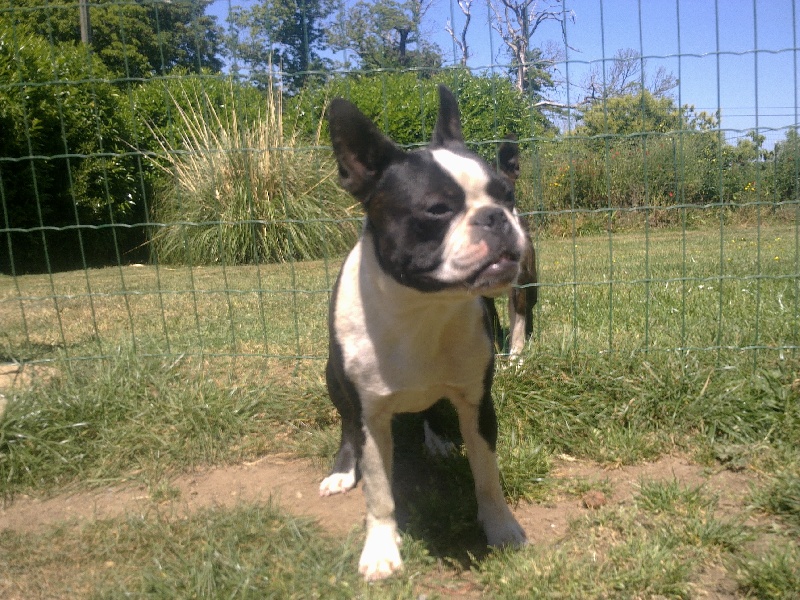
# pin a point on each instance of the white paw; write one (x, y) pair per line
(337, 483)
(514, 361)
(436, 445)
(381, 555)
(503, 530)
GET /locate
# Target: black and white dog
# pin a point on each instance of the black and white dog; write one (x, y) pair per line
(524, 295)
(408, 324)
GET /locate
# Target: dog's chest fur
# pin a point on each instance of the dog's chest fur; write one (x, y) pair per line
(402, 348)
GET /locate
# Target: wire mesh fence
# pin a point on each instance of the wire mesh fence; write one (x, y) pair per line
(167, 187)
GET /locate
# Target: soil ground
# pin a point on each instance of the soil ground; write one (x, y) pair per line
(293, 484)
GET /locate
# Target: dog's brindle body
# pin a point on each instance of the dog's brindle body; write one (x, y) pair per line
(408, 325)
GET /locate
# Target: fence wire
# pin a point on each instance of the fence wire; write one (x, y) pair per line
(165, 192)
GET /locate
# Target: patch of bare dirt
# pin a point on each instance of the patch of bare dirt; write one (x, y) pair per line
(293, 484)
(548, 522)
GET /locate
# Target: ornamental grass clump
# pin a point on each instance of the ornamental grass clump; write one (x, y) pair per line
(242, 191)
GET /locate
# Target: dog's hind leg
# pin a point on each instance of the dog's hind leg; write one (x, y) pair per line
(345, 472)
(522, 299)
(495, 324)
(439, 429)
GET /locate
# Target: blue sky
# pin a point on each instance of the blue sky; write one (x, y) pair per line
(737, 56)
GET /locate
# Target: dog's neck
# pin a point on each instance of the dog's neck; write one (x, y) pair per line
(391, 295)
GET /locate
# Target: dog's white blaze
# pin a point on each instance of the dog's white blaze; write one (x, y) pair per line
(468, 173)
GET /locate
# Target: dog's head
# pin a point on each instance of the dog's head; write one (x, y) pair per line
(440, 217)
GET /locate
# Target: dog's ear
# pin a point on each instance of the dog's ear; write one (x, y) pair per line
(362, 152)
(508, 157)
(448, 123)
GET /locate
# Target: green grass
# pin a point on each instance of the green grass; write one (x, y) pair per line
(690, 293)
(244, 552)
(144, 372)
(773, 575)
(104, 421)
(654, 548)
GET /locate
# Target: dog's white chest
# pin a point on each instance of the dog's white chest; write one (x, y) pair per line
(404, 346)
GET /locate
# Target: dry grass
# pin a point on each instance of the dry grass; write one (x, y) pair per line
(238, 193)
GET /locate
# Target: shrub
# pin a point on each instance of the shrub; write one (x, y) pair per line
(787, 166)
(62, 134)
(405, 105)
(245, 192)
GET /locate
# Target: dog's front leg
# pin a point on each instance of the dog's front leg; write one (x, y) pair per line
(381, 555)
(479, 429)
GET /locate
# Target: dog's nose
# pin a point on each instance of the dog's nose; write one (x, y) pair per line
(492, 218)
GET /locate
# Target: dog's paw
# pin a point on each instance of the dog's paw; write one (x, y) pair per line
(381, 555)
(337, 483)
(513, 361)
(503, 530)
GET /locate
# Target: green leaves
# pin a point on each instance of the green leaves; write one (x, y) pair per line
(405, 106)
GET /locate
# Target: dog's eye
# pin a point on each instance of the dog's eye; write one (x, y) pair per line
(440, 209)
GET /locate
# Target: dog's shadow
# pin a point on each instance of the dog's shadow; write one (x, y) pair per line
(435, 495)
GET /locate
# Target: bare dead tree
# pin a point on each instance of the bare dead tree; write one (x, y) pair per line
(627, 74)
(461, 41)
(516, 21)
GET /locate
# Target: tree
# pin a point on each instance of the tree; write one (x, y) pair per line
(133, 39)
(386, 34)
(287, 35)
(517, 21)
(461, 40)
(627, 75)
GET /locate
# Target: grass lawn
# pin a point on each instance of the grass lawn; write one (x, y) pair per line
(667, 344)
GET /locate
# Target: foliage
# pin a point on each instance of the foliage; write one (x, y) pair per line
(65, 161)
(516, 21)
(641, 150)
(245, 192)
(152, 110)
(656, 171)
(156, 104)
(490, 106)
(285, 35)
(787, 166)
(386, 34)
(133, 39)
(643, 112)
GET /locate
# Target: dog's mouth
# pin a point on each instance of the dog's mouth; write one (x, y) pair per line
(497, 274)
